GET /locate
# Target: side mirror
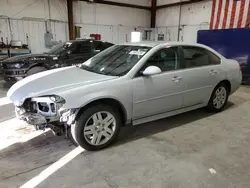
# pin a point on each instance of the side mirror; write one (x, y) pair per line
(151, 70)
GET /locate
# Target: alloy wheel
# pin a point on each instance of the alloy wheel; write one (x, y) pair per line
(220, 97)
(99, 128)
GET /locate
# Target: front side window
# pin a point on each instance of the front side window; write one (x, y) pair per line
(166, 59)
(59, 48)
(195, 57)
(81, 47)
(116, 60)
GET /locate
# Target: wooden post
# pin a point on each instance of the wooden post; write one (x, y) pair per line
(153, 13)
(70, 19)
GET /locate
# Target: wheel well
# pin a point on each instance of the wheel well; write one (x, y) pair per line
(228, 84)
(110, 102)
(39, 65)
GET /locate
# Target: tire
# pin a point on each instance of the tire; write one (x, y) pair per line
(97, 127)
(71, 137)
(223, 98)
(35, 70)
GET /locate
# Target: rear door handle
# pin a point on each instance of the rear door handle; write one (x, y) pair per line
(213, 72)
(176, 78)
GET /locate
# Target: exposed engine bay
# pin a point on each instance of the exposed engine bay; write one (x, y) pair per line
(43, 112)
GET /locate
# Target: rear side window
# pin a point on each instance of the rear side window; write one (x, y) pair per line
(214, 59)
(195, 57)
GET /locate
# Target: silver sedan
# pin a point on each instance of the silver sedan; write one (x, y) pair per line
(129, 83)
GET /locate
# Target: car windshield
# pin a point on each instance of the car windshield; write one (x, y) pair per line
(59, 48)
(116, 61)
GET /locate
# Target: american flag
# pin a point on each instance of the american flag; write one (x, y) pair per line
(230, 14)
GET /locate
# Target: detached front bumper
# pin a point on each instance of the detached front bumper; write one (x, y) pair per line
(46, 112)
(38, 120)
(33, 119)
(39, 111)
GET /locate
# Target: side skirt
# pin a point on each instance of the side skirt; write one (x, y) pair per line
(166, 114)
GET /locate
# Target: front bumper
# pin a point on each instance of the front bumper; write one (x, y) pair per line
(35, 118)
(13, 74)
(39, 111)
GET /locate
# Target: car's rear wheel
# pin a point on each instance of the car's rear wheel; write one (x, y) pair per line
(35, 70)
(218, 98)
(97, 127)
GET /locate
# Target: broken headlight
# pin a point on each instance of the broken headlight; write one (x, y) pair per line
(57, 99)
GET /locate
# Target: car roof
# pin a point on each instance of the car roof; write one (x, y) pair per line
(84, 40)
(157, 43)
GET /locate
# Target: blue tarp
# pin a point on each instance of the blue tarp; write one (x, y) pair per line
(231, 43)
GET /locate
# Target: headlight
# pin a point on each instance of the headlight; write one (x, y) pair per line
(57, 99)
(55, 58)
(18, 65)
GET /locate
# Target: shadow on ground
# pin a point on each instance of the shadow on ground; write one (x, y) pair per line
(35, 154)
(131, 133)
(39, 142)
(40, 152)
(127, 133)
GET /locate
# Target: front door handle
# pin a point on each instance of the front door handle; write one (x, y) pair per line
(213, 72)
(176, 78)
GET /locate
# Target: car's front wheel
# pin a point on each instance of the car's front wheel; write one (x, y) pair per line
(219, 98)
(97, 127)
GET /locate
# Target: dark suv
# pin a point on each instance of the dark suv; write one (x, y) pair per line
(64, 54)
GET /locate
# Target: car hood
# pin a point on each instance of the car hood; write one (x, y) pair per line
(28, 57)
(53, 82)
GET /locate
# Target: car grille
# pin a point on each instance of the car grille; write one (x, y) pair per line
(9, 70)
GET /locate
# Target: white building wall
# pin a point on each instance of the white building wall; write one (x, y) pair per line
(112, 22)
(193, 17)
(28, 17)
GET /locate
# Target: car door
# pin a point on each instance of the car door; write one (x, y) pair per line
(80, 52)
(200, 74)
(161, 92)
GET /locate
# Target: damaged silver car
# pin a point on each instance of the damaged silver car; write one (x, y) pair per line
(125, 84)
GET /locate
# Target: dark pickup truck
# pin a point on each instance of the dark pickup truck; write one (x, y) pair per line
(64, 54)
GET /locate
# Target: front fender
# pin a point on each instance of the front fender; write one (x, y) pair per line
(77, 100)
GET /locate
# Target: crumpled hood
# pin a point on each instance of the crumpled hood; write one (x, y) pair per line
(27, 57)
(53, 82)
